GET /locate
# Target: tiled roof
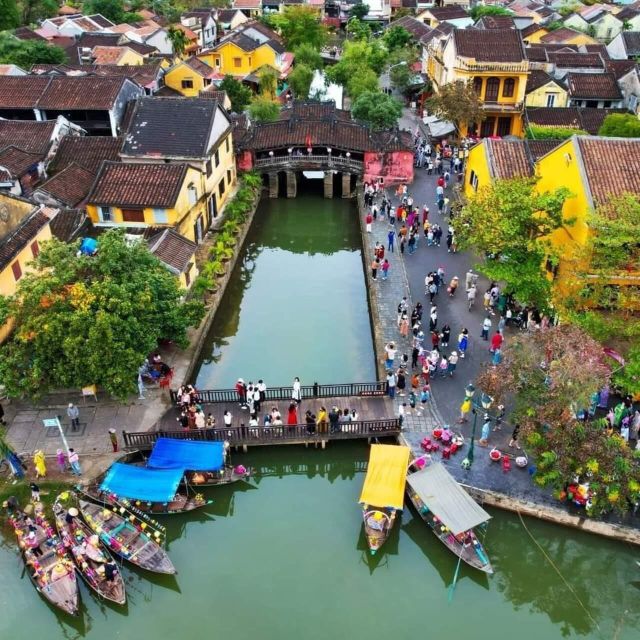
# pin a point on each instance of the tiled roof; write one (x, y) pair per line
(489, 45)
(170, 127)
(627, 13)
(140, 47)
(89, 41)
(86, 151)
(591, 119)
(560, 35)
(620, 68)
(99, 19)
(24, 33)
(173, 249)
(496, 22)
(29, 135)
(138, 185)
(529, 29)
(586, 119)
(596, 48)
(201, 68)
(21, 92)
(226, 15)
(144, 74)
(247, 4)
(537, 79)
(16, 161)
(536, 53)
(11, 69)
(508, 159)
(631, 42)
(442, 30)
(68, 224)
(539, 148)
(17, 239)
(415, 27)
(107, 55)
(212, 93)
(313, 110)
(448, 13)
(69, 187)
(602, 86)
(570, 60)
(612, 165)
(409, 4)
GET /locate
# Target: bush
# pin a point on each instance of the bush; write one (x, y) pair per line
(535, 132)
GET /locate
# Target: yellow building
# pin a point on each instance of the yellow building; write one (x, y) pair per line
(544, 91)
(196, 131)
(533, 33)
(494, 61)
(23, 230)
(246, 50)
(148, 195)
(564, 35)
(190, 77)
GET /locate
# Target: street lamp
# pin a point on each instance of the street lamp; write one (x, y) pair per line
(485, 403)
(400, 64)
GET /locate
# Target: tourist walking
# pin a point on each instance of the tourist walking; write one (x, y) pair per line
(296, 394)
(453, 362)
(74, 463)
(391, 384)
(374, 268)
(368, 222)
(514, 437)
(391, 240)
(463, 342)
(113, 439)
(445, 336)
(74, 415)
(472, 292)
(404, 325)
(61, 461)
(465, 407)
(496, 342)
(453, 286)
(486, 327)
(40, 464)
(401, 382)
(385, 269)
(486, 430)
(390, 353)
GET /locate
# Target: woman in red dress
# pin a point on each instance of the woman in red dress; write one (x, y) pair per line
(292, 415)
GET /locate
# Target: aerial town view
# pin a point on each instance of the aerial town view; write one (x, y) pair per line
(320, 319)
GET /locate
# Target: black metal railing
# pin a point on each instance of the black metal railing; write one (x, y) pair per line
(314, 391)
(282, 434)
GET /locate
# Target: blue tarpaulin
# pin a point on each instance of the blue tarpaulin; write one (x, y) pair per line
(140, 483)
(188, 455)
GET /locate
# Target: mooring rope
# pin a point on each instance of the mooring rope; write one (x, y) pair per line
(550, 561)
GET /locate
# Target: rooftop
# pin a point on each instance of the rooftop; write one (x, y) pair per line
(173, 249)
(68, 224)
(584, 118)
(70, 186)
(537, 79)
(14, 241)
(496, 22)
(415, 27)
(564, 34)
(17, 162)
(631, 41)
(601, 86)
(31, 136)
(489, 45)
(86, 151)
(452, 12)
(570, 60)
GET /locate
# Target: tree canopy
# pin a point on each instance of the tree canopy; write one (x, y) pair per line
(361, 61)
(26, 53)
(9, 15)
(264, 109)
(307, 55)
(300, 80)
(179, 40)
(457, 102)
(396, 37)
(239, 94)
(357, 29)
(298, 25)
(377, 109)
(359, 11)
(508, 223)
(34, 10)
(620, 125)
(82, 320)
(113, 10)
(480, 11)
(401, 71)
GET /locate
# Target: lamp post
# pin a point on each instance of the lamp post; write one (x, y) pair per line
(485, 404)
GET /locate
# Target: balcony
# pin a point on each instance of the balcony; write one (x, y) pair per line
(311, 162)
(502, 107)
(491, 67)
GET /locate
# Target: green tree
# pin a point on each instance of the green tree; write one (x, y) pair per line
(300, 80)
(298, 25)
(549, 377)
(365, 81)
(305, 54)
(178, 39)
(377, 109)
(554, 26)
(401, 71)
(239, 94)
(479, 11)
(508, 223)
(9, 15)
(357, 29)
(457, 102)
(264, 109)
(268, 82)
(535, 132)
(396, 37)
(111, 9)
(26, 53)
(82, 320)
(356, 58)
(359, 11)
(620, 125)
(34, 10)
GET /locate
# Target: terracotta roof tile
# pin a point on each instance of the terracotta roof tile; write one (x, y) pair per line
(631, 42)
(86, 151)
(138, 185)
(18, 162)
(448, 13)
(612, 165)
(24, 33)
(200, 67)
(21, 92)
(560, 35)
(69, 187)
(564, 60)
(537, 79)
(496, 22)
(17, 239)
(173, 249)
(620, 68)
(31, 136)
(508, 159)
(107, 55)
(489, 45)
(415, 27)
(602, 86)
(586, 119)
(68, 224)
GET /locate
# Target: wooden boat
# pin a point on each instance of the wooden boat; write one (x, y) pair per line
(93, 561)
(450, 512)
(52, 573)
(226, 475)
(152, 491)
(124, 538)
(383, 492)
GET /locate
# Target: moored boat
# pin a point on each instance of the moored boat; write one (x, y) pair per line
(450, 512)
(126, 538)
(152, 491)
(383, 492)
(50, 570)
(93, 561)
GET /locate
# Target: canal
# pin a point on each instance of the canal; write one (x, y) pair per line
(283, 557)
(296, 303)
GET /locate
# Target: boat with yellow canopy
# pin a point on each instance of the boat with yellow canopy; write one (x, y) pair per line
(383, 491)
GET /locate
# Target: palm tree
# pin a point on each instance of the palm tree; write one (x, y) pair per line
(179, 40)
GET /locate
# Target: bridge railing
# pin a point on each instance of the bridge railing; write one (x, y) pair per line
(267, 435)
(310, 160)
(314, 391)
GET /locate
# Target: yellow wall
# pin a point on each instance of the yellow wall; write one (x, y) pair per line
(193, 274)
(477, 165)
(131, 57)
(174, 77)
(538, 98)
(534, 38)
(227, 163)
(223, 57)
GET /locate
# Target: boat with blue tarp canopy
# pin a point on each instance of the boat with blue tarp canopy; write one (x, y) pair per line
(188, 455)
(140, 483)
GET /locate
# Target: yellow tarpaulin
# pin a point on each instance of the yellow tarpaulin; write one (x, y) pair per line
(386, 476)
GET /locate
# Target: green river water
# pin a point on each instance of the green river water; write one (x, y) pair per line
(283, 557)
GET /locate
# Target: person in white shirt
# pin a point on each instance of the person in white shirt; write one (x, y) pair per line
(297, 392)
(227, 418)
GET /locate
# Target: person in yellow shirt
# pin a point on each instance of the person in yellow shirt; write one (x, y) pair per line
(322, 420)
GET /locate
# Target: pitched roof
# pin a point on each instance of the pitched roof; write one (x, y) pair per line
(530, 29)
(24, 33)
(68, 224)
(451, 12)
(144, 74)
(602, 86)
(415, 27)
(495, 22)
(17, 239)
(21, 92)
(29, 135)
(539, 148)
(561, 35)
(584, 118)
(138, 185)
(620, 68)
(631, 42)
(508, 159)
(69, 187)
(489, 45)
(612, 165)
(170, 127)
(627, 13)
(107, 55)
(86, 151)
(200, 67)
(571, 60)
(537, 79)
(596, 48)
(173, 249)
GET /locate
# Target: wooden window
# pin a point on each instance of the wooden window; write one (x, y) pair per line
(237, 62)
(133, 215)
(187, 83)
(504, 126)
(105, 214)
(192, 193)
(473, 180)
(35, 248)
(221, 187)
(477, 85)
(551, 99)
(17, 271)
(491, 92)
(486, 128)
(216, 157)
(208, 168)
(508, 88)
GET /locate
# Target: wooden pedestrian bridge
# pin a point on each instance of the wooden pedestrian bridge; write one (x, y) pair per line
(376, 417)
